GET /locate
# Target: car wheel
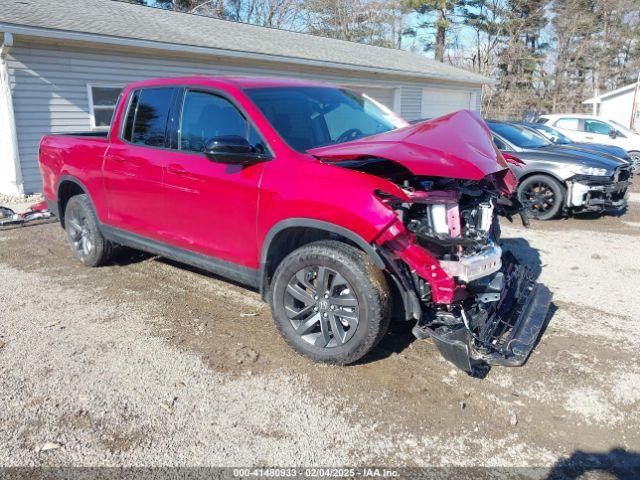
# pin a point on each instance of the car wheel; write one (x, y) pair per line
(634, 156)
(81, 224)
(542, 196)
(330, 302)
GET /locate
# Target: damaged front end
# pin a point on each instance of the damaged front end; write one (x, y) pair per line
(443, 250)
(475, 301)
(599, 193)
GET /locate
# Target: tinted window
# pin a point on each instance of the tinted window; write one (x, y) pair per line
(519, 136)
(568, 123)
(131, 115)
(150, 117)
(594, 126)
(499, 143)
(206, 116)
(308, 117)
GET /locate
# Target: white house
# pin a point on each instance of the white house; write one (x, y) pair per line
(63, 63)
(618, 105)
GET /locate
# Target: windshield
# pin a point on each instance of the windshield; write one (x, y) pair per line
(519, 136)
(623, 129)
(309, 117)
(552, 134)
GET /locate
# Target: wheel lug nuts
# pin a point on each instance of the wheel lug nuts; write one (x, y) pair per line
(324, 315)
(315, 309)
(315, 297)
(333, 307)
(326, 295)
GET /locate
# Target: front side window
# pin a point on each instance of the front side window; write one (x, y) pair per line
(594, 126)
(102, 103)
(309, 117)
(206, 116)
(568, 123)
(146, 121)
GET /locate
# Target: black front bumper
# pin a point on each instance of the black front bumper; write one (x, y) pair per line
(608, 196)
(503, 332)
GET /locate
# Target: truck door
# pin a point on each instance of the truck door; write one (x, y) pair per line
(212, 206)
(135, 163)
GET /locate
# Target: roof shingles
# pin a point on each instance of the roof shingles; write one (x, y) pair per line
(118, 19)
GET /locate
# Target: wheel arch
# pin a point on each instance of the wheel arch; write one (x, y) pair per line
(548, 173)
(69, 186)
(290, 234)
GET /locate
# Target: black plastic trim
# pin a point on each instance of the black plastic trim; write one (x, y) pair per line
(72, 179)
(232, 271)
(311, 223)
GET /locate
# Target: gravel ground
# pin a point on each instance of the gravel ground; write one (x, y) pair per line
(148, 363)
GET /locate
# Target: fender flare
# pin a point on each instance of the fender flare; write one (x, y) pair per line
(68, 178)
(319, 225)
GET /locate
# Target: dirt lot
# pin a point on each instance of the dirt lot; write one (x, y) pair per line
(146, 362)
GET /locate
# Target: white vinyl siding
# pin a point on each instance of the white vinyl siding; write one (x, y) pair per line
(50, 82)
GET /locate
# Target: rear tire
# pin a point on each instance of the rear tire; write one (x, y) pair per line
(84, 237)
(330, 302)
(542, 196)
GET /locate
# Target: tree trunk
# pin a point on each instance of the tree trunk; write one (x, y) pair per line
(441, 36)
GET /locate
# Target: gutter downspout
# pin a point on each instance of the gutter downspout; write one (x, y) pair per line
(11, 182)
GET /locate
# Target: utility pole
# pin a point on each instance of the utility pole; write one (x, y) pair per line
(634, 107)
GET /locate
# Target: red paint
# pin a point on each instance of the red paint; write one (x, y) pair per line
(226, 211)
(457, 145)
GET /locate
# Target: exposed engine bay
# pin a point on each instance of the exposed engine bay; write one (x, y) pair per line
(475, 301)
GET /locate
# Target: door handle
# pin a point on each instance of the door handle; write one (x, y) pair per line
(177, 169)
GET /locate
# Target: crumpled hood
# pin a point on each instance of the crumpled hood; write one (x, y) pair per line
(457, 145)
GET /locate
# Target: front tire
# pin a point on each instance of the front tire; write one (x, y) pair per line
(84, 237)
(330, 302)
(542, 196)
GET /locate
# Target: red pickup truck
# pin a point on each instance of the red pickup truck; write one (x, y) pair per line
(336, 209)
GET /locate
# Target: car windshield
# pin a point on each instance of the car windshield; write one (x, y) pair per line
(519, 136)
(623, 129)
(309, 117)
(552, 134)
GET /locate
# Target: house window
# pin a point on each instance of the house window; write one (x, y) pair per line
(102, 103)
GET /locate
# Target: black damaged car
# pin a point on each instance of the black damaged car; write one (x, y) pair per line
(560, 180)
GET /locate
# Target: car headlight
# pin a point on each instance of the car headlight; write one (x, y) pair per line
(591, 171)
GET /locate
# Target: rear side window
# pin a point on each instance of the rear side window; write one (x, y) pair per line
(206, 116)
(568, 123)
(147, 118)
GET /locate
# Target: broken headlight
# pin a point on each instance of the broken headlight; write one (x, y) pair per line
(590, 171)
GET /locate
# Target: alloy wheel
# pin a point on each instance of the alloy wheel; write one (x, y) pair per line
(81, 237)
(321, 306)
(539, 197)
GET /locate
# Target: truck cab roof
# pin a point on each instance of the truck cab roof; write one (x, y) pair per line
(241, 82)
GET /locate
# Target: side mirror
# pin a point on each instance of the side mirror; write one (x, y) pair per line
(613, 133)
(232, 149)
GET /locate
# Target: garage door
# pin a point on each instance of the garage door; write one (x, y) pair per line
(382, 95)
(439, 101)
